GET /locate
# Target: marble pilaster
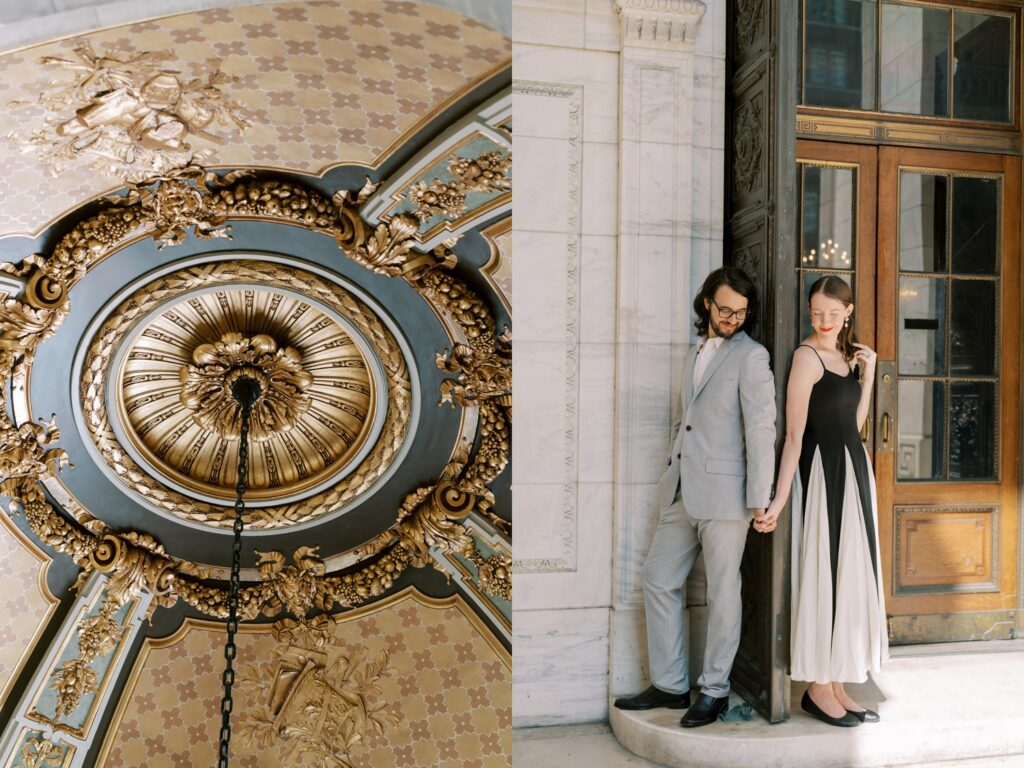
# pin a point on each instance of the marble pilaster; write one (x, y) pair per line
(565, 236)
(670, 233)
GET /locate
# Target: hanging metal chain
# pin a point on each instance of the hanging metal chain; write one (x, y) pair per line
(227, 703)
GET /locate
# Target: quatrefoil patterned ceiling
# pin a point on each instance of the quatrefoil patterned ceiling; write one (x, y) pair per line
(316, 194)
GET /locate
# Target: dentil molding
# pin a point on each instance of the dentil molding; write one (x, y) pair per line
(660, 23)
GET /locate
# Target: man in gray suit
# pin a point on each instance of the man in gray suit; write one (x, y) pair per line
(719, 474)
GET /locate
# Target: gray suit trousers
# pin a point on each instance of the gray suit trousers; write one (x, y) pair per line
(677, 541)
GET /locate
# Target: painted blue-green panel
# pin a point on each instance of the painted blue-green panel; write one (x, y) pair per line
(24, 749)
(472, 149)
(485, 550)
(47, 703)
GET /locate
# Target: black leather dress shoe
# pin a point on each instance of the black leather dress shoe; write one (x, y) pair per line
(849, 720)
(865, 715)
(705, 711)
(652, 698)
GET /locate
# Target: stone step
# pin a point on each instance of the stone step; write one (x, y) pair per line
(934, 708)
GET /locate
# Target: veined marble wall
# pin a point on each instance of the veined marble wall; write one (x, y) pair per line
(619, 110)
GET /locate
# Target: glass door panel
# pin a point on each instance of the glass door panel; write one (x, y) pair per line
(947, 403)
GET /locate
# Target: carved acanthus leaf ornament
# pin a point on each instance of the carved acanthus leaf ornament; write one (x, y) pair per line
(430, 516)
(206, 385)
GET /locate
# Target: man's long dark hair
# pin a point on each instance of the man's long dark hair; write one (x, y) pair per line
(735, 278)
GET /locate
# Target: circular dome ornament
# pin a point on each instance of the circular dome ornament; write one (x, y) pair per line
(334, 410)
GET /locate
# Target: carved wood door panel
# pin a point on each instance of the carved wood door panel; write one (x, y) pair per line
(760, 235)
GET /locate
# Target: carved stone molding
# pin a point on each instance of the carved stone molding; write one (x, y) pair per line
(566, 537)
(749, 19)
(660, 23)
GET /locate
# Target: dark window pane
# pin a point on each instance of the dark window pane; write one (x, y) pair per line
(922, 222)
(827, 213)
(975, 225)
(972, 443)
(981, 86)
(973, 338)
(922, 326)
(922, 424)
(808, 279)
(914, 59)
(839, 63)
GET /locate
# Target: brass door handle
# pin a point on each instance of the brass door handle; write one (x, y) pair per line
(886, 396)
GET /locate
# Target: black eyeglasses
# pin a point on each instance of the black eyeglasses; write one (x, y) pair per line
(725, 312)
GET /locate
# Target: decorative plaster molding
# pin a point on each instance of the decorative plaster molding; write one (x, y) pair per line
(660, 23)
(567, 525)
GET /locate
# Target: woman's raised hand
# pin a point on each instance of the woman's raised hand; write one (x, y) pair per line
(865, 355)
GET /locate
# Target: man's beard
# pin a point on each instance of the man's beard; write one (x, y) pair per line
(724, 334)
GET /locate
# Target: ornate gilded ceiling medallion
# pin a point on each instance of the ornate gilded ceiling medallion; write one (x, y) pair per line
(313, 415)
(333, 412)
(206, 386)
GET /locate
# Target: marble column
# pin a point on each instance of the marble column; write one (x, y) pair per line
(565, 112)
(617, 212)
(670, 233)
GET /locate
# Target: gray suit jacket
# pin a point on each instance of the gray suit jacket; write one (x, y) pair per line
(723, 457)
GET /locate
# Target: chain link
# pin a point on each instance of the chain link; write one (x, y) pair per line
(227, 703)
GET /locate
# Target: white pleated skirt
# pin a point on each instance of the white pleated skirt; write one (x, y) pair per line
(857, 642)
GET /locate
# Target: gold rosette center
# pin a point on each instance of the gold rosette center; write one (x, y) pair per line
(312, 417)
(206, 385)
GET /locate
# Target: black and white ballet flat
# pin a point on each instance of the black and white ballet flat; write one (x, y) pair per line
(849, 720)
(865, 715)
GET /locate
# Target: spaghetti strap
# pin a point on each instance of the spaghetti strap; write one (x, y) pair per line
(816, 353)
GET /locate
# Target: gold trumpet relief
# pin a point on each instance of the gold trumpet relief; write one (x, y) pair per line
(317, 699)
(132, 115)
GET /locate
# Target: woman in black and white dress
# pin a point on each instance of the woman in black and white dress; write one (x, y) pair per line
(838, 628)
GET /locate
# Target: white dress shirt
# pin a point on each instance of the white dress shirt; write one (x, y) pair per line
(707, 351)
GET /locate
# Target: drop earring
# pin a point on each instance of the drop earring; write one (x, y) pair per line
(846, 322)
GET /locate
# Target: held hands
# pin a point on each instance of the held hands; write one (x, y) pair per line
(765, 520)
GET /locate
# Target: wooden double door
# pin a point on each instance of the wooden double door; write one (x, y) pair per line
(930, 241)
